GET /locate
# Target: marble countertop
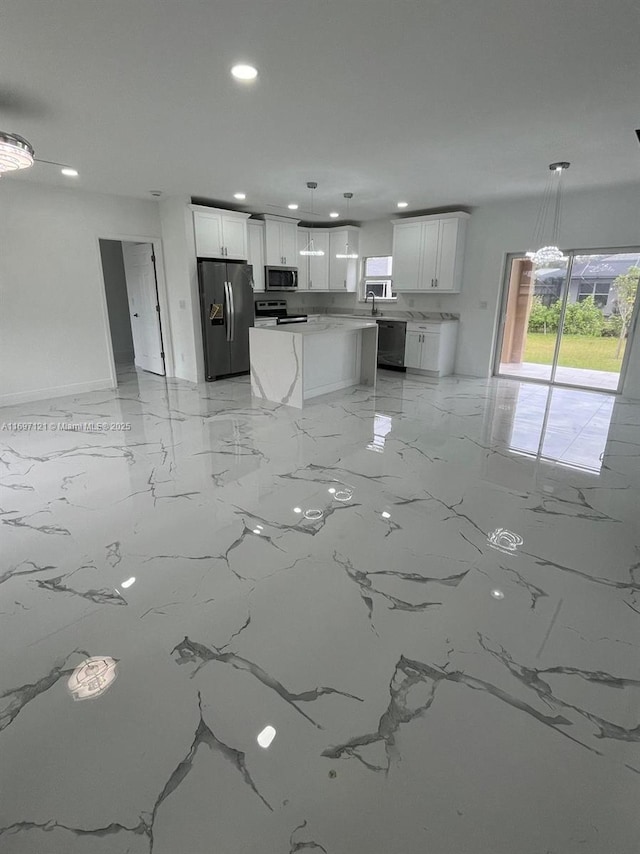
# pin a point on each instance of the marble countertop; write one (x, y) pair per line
(425, 319)
(318, 327)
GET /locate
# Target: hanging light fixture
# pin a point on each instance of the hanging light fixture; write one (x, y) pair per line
(550, 254)
(15, 152)
(310, 249)
(348, 251)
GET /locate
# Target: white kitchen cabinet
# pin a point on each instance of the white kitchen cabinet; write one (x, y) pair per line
(430, 347)
(428, 253)
(220, 233)
(255, 255)
(413, 350)
(302, 261)
(407, 245)
(281, 242)
(319, 264)
(343, 272)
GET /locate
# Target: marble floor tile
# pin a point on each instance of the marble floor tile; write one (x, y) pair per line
(406, 619)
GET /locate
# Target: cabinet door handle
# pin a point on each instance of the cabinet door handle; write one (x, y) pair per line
(436, 283)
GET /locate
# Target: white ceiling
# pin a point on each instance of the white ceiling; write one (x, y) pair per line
(439, 102)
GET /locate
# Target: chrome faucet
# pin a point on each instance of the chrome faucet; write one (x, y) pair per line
(373, 307)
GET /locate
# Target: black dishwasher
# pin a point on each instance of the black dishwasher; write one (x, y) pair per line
(391, 339)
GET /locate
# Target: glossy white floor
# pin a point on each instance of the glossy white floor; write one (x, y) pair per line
(431, 594)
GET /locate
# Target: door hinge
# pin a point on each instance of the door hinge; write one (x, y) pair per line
(162, 354)
(153, 257)
(158, 309)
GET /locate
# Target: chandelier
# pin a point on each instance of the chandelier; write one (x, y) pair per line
(310, 248)
(549, 254)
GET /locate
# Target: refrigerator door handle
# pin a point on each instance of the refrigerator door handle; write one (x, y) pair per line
(227, 310)
(233, 313)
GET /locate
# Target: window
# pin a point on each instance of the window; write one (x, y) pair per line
(377, 277)
(598, 290)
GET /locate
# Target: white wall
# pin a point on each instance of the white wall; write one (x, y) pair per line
(115, 284)
(182, 286)
(54, 336)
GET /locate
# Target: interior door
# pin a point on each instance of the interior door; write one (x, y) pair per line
(144, 309)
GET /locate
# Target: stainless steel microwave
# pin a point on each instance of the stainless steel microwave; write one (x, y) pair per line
(281, 278)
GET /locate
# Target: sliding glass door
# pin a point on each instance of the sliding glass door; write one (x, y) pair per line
(569, 324)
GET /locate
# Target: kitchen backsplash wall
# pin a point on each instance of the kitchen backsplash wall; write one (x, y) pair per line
(306, 300)
(409, 305)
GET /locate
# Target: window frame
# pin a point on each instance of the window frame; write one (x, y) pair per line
(387, 281)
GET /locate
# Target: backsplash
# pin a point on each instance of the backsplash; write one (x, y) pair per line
(328, 303)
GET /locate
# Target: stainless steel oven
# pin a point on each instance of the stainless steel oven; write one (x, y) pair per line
(281, 278)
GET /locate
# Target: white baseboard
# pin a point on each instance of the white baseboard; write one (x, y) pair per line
(55, 391)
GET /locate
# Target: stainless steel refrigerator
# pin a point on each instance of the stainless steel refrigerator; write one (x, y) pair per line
(226, 306)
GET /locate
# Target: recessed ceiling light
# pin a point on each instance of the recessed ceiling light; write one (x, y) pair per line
(69, 172)
(129, 582)
(244, 72)
(403, 204)
(240, 196)
(293, 207)
(334, 214)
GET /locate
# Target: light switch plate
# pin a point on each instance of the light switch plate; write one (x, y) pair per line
(182, 303)
(483, 304)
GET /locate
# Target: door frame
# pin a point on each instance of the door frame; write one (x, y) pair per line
(163, 300)
(509, 257)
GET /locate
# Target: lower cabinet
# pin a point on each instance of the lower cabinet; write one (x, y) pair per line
(431, 347)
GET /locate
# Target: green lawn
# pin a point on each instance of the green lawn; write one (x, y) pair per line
(576, 351)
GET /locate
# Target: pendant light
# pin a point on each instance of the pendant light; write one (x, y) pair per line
(348, 251)
(15, 152)
(310, 249)
(549, 254)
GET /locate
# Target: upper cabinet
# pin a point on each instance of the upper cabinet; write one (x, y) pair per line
(220, 233)
(303, 260)
(319, 264)
(281, 242)
(343, 272)
(428, 252)
(255, 254)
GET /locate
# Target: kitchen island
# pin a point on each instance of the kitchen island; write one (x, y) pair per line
(298, 361)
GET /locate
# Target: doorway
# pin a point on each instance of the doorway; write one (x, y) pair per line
(569, 323)
(133, 306)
